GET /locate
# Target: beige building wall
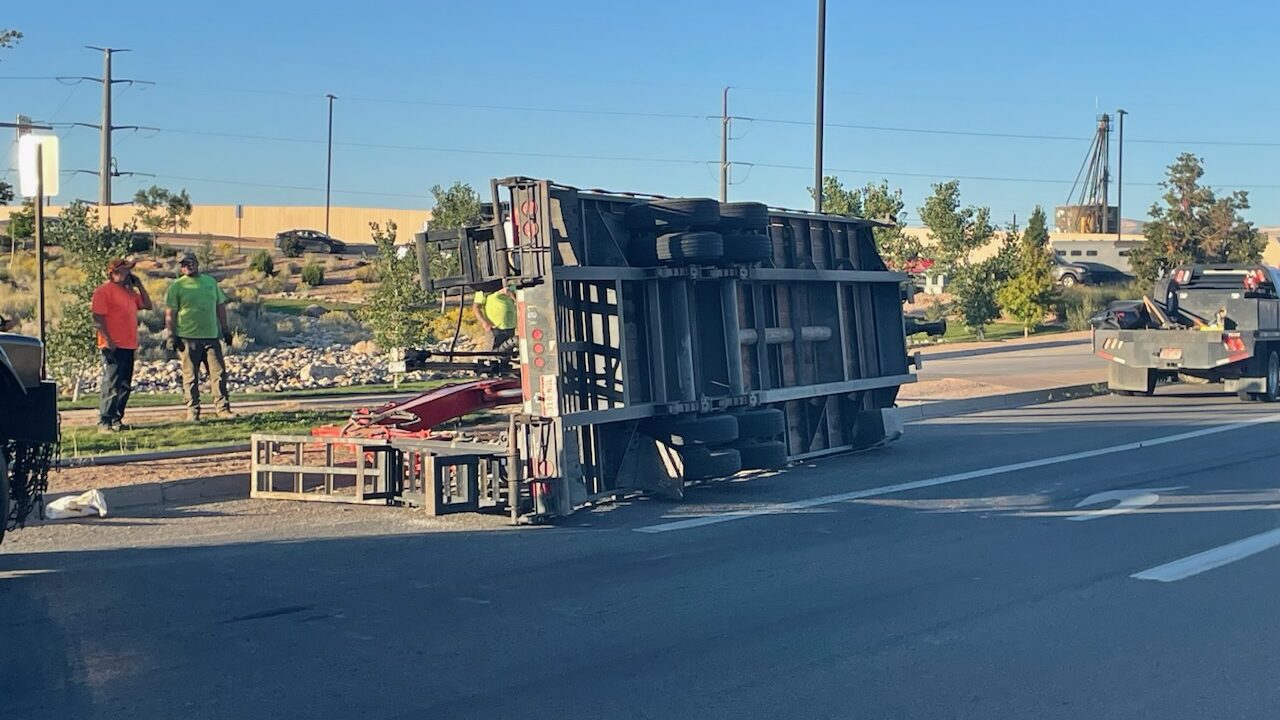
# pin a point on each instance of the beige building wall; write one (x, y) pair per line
(264, 221)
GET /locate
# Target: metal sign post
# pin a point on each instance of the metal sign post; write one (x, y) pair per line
(38, 177)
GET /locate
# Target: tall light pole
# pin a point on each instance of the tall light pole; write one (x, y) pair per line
(328, 173)
(1120, 179)
(817, 134)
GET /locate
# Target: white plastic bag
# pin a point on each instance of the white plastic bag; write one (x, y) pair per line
(82, 505)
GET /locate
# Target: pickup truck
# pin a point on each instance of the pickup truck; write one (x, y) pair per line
(1217, 323)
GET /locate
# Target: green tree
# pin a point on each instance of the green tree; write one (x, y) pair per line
(456, 206)
(22, 222)
(974, 287)
(956, 232)
(895, 245)
(162, 209)
(1192, 224)
(397, 309)
(6, 193)
(87, 247)
(836, 200)
(1031, 291)
(9, 38)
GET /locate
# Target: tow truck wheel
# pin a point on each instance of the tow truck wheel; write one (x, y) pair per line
(1273, 378)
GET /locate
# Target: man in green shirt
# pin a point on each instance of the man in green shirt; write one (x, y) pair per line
(495, 307)
(196, 317)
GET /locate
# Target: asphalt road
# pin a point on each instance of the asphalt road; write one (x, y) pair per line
(943, 577)
(1020, 365)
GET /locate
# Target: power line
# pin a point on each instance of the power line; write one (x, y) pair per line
(242, 183)
(978, 178)
(429, 148)
(1014, 136)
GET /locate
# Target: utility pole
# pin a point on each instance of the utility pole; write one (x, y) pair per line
(106, 167)
(821, 90)
(328, 173)
(724, 147)
(1120, 178)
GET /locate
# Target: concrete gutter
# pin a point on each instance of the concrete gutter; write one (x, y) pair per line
(967, 406)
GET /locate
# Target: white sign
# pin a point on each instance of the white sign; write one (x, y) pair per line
(28, 173)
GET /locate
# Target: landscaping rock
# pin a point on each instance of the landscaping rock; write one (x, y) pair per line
(316, 373)
(314, 311)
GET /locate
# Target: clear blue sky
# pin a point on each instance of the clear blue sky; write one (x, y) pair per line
(403, 73)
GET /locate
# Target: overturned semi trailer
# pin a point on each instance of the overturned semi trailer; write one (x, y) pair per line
(662, 342)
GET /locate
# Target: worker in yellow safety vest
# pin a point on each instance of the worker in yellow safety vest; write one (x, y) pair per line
(495, 307)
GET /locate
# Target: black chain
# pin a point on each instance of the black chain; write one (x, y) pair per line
(29, 465)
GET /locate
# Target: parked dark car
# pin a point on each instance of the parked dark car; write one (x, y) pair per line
(1070, 274)
(311, 241)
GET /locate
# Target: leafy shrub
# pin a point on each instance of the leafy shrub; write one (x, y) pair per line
(290, 246)
(226, 252)
(367, 272)
(271, 284)
(261, 261)
(313, 274)
(165, 251)
(1078, 314)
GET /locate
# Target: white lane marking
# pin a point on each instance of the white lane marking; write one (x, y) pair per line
(1129, 500)
(778, 508)
(1210, 559)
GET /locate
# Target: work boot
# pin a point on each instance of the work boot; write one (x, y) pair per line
(193, 416)
(106, 427)
(118, 426)
(227, 414)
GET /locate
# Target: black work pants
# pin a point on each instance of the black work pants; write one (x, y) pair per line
(116, 385)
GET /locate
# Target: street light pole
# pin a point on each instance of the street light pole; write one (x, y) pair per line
(328, 173)
(817, 136)
(1120, 179)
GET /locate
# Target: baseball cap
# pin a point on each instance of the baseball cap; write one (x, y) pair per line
(119, 263)
(187, 259)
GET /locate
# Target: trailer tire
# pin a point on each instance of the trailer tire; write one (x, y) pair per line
(689, 247)
(703, 463)
(673, 215)
(747, 248)
(761, 423)
(689, 430)
(768, 455)
(744, 216)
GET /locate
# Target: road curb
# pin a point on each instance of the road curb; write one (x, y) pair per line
(125, 458)
(967, 406)
(173, 492)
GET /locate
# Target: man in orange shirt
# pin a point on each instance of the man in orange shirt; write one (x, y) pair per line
(115, 308)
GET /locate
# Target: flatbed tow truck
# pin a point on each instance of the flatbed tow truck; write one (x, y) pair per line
(660, 342)
(1207, 323)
